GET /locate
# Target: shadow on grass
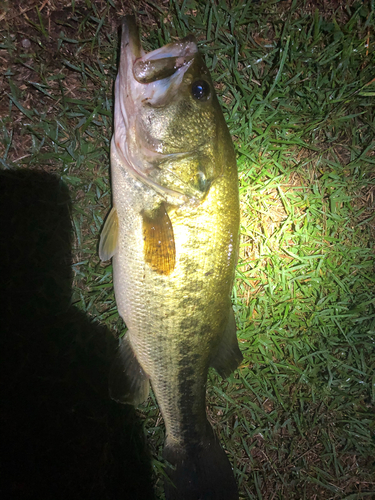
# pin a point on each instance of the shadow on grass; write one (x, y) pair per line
(63, 436)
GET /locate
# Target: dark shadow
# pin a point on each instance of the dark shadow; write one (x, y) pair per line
(63, 438)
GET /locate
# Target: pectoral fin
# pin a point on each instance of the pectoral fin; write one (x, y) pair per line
(228, 355)
(109, 236)
(128, 383)
(158, 238)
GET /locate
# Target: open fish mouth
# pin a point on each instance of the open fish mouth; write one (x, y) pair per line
(151, 79)
(169, 63)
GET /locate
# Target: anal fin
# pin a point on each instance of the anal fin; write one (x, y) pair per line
(228, 355)
(109, 236)
(128, 382)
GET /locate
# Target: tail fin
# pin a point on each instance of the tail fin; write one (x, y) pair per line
(199, 472)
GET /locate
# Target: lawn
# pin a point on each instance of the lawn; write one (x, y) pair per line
(296, 81)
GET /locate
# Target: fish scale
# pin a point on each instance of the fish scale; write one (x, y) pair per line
(174, 247)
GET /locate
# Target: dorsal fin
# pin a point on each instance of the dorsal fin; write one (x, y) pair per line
(158, 237)
(109, 236)
(228, 355)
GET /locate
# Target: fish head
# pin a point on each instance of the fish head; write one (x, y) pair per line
(167, 117)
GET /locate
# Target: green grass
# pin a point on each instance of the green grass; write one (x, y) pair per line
(297, 86)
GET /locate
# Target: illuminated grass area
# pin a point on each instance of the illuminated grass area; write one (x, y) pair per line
(297, 84)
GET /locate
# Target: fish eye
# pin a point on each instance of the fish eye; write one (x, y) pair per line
(200, 90)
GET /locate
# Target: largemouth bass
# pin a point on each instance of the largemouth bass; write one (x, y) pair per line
(173, 236)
